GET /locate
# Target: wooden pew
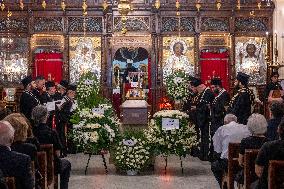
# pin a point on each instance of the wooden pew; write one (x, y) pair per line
(249, 167)
(233, 165)
(48, 149)
(11, 183)
(276, 174)
(41, 156)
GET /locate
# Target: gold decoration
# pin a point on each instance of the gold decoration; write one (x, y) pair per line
(178, 13)
(85, 6)
(259, 5)
(198, 6)
(43, 4)
(63, 5)
(9, 13)
(251, 13)
(218, 5)
(177, 4)
(239, 4)
(123, 31)
(157, 4)
(105, 5)
(21, 4)
(2, 6)
(124, 7)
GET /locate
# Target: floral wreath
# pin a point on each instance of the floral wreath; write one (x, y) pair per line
(178, 41)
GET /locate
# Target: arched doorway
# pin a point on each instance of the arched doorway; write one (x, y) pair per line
(130, 72)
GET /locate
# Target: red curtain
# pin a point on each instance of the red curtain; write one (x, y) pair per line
(49, 63)
(215, 65)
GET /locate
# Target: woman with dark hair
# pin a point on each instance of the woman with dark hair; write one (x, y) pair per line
(277, 112)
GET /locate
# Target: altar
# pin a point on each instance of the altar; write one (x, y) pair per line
(135, 112)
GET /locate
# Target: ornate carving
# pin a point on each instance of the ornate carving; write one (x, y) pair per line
(93, 24)
(251, 24)
(14, 25)
(171, 24)
(133, 24)
(52, 42)
(45, 24)
(214, 24)
(214, 40)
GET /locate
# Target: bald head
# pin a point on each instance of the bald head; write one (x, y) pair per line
(6, 133)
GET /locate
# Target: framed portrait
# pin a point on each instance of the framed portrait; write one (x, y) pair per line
(250, 58)
(135, 94)
(84, 56)
(178, 54)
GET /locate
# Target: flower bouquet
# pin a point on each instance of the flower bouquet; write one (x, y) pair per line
(170, 132)
(132, 153)
(177, 85)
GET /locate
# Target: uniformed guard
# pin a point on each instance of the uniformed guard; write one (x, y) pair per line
(218, 110)
(28, 100)
(40, 90)
(61, 90)
(49, 97)
(273, 86)
(242, 102)
(202, 101)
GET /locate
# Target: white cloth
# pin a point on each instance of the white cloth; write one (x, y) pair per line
(229, 133)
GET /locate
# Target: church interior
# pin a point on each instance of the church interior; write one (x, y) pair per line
(146, 70)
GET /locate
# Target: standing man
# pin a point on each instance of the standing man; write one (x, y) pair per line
(65, 112)
(61, 90)
(202, 101)
(49, 97)
(28, 100)
(273, 86)
(218, 111)
(241, 104)
(40, 90)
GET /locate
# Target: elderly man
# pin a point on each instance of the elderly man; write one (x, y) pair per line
(273, 150)
(14, 164)
(231, 132)
(40, 90)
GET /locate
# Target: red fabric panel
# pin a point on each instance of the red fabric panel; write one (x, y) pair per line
(215, 64)
(49, 63)
(116, 102)
(149, 81)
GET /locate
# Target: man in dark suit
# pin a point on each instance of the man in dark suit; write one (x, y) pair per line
(28, 100)
(14, 164)
(2, 181)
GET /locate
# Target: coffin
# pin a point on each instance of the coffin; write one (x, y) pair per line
(135, 112)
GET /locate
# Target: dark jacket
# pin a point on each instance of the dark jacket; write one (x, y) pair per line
(2, 181)
(27, 103)
(272, 128)
(14, 164)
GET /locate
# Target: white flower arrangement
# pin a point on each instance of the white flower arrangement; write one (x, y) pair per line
(132, 154)
(175, 141)
(177, 85)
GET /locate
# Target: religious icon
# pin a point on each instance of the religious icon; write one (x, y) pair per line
(178, 59)
(250, 58)
(84, 57)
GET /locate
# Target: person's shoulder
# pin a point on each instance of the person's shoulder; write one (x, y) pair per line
(19, 157)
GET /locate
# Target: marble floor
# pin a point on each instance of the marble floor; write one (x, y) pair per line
(197, 175)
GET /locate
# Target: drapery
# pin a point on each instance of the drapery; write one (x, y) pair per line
(215, 65)
(49, 64)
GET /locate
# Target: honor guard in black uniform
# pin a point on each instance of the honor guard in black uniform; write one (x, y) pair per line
(40, 90)
(202, 101)
(218, 110)
(273, 85)
(65, 113)
(241, 103)
(28, 100)
(61, 90)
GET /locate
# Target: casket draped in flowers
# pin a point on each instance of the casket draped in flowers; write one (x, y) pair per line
(170, 132)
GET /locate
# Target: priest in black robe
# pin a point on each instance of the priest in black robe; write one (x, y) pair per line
(218, 110)
(202, 113)
(28, 100)
(241, 103)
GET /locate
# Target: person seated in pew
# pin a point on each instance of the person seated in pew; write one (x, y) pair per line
(231, 132)
(46, 135)
(2, 181)
(277, 111)
(273, 150)
(20, 144)
(14, 164)
(257, 125)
